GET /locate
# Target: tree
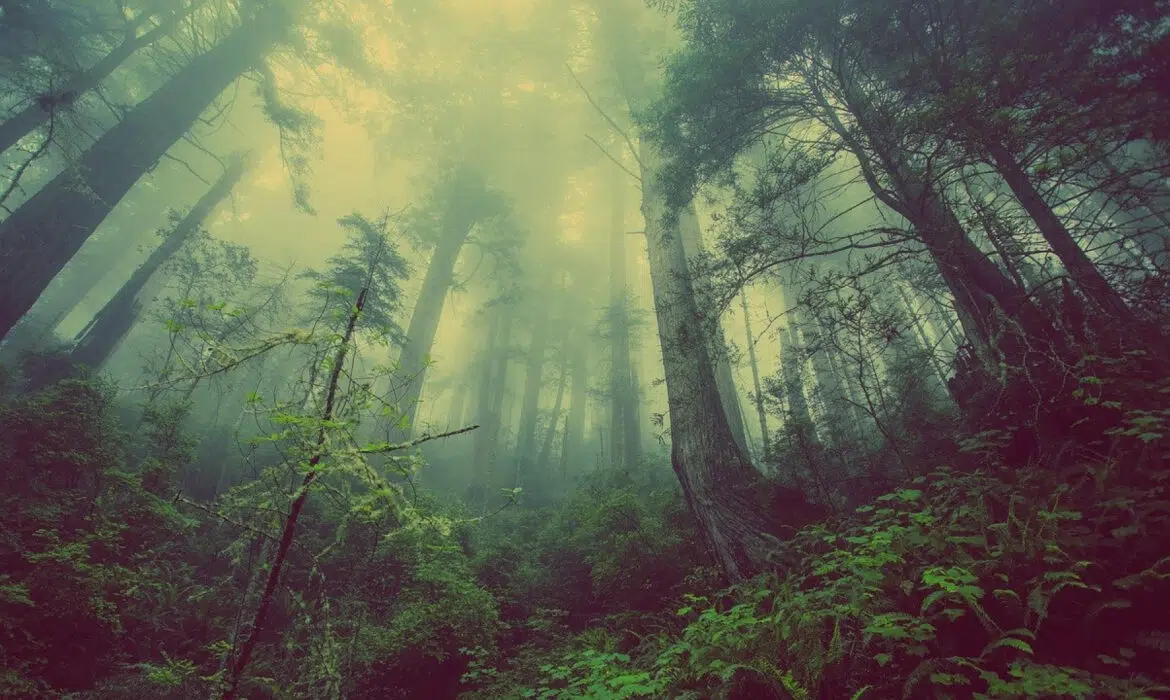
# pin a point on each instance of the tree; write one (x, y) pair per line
(46, 105)
(99, 338)
(44, 233)
(460, 201)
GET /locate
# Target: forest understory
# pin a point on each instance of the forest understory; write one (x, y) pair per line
(687, 349)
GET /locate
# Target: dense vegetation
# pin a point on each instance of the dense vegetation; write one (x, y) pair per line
(870, 402)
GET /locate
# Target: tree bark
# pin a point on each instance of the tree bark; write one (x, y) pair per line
(692, 241)
(738, 517)
(97, 341)
(47, 230)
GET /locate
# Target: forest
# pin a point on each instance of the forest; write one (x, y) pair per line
(494, 349)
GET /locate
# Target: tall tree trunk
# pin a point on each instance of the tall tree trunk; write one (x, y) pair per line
(428, 310)
(491, 398)
(750, 340)
(97, 341)
(550, 433)
(533, 378)
(792, 367)
(737, 515)
(692, 241)
(484, 408)
(573, 445)
(47, 230)
(621, 454)
(456, 409)
(41, 110)
(1083, 271)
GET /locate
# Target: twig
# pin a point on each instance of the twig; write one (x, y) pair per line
(416, 442)
(615, 160)
(629, 141)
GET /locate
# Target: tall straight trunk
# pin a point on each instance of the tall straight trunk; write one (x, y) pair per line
(41, 110)
(920, 333)
(458, 401)
(1083, 271)
(792, 366)
(633, 427)
(550, 433)
(486, 409)
(761, 414)
(428, 310)
(828, 384)
(491, 418)
(736, 513)
(97, 341)
(692, 241)
(572, 447)
(622, 454)
(533, 378)
(47, 230)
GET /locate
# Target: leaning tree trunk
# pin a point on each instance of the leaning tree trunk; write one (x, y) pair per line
(725, 492)
(44, 108)
(98, 339)
(46, 231)
(1083, 271)
(428, 310)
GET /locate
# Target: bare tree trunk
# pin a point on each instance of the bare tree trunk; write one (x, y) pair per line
(97, 341)
(737, 515)
(47, 230)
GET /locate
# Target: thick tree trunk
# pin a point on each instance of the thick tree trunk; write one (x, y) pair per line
(1072, 256)
(97, 341)
(46, 231)
(737, 515)
(428, 310)
(43, 109)
(692, 240)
